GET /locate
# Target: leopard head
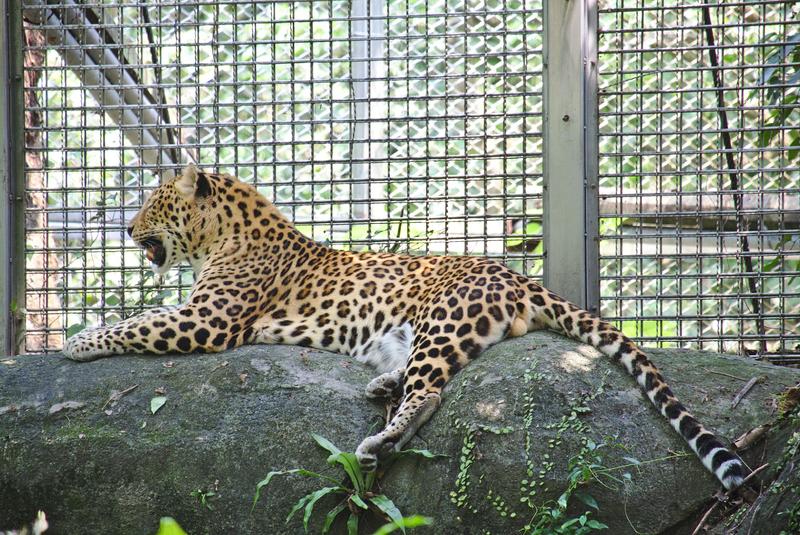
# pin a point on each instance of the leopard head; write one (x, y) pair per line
(178, 220)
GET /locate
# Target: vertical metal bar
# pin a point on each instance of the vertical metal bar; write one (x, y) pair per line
(570, 136)
(591, 159)
(6, 177)
(12, 183)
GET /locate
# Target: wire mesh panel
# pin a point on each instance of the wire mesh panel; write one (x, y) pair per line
(700, 174)
(403, 125)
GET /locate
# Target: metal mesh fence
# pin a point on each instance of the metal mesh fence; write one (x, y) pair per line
(700, 174)
(403, 125)
(416, 126)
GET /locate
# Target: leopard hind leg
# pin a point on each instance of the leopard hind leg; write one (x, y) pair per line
(432, 363)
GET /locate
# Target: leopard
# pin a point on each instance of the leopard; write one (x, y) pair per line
(416, 319)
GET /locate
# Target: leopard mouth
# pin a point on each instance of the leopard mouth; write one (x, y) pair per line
(155, 251)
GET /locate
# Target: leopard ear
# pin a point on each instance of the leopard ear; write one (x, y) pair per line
(186, 182)
(192, 183)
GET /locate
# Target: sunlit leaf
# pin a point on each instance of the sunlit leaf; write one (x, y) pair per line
(413, 521)
(299, 471)
(299, 504)
(315, 497)
(168, 526)
(352, 525)
(74, 329)
(156, 403)
(422, 453)
(356, 499)
(389, 509)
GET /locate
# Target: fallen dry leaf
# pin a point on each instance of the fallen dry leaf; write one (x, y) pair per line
(789, 400)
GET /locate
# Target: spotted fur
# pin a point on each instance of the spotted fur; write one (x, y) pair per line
(418, 320)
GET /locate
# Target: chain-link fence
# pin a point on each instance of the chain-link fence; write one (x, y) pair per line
(416, 126)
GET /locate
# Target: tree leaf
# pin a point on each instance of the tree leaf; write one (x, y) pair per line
(352, 525)
(156, 403)
(325, 443)
(168, 526)
(299, 471)
(348, 461)
(74, 329)
(356, 499)
(422, 453)
(331, 516)
(791, 43)
(562, 500)
(390, 509)
(315, 496)
(588, 499)
(298, 505)
(413, 521)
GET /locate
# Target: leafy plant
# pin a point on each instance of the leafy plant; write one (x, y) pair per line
(551, 517)
(783, 91)
(204, 496)
(358, 496)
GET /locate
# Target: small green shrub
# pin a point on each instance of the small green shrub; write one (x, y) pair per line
(358, 497)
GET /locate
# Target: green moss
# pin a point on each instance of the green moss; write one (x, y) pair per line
(74, 429)
(790, 452)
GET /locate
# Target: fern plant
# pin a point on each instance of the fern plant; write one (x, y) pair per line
(357, 495)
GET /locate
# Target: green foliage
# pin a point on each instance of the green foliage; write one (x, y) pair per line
(790, 454)
(168, 526)
(203, 496)
(357, 495)
(782, 92)
(156, 403)
(413, 521)
(648, 328)
(551, 516)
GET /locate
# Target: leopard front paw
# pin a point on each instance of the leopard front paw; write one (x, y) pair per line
(371, 449)
(84, 347)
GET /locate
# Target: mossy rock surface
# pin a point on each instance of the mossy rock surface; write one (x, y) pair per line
(99, 466)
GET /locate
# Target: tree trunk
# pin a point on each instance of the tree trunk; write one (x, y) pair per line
(43, 305)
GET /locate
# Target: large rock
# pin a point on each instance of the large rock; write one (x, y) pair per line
(510, 423)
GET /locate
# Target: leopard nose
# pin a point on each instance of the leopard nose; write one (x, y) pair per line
(130, 232)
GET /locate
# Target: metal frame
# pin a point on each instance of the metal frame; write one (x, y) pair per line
(6, 176)
(12, 184)
(421, 125)
(700, 175)
(570, 141)
(458, 87)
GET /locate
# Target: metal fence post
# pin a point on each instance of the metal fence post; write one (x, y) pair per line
(571, 266)
(12, 180)
(5, 187)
